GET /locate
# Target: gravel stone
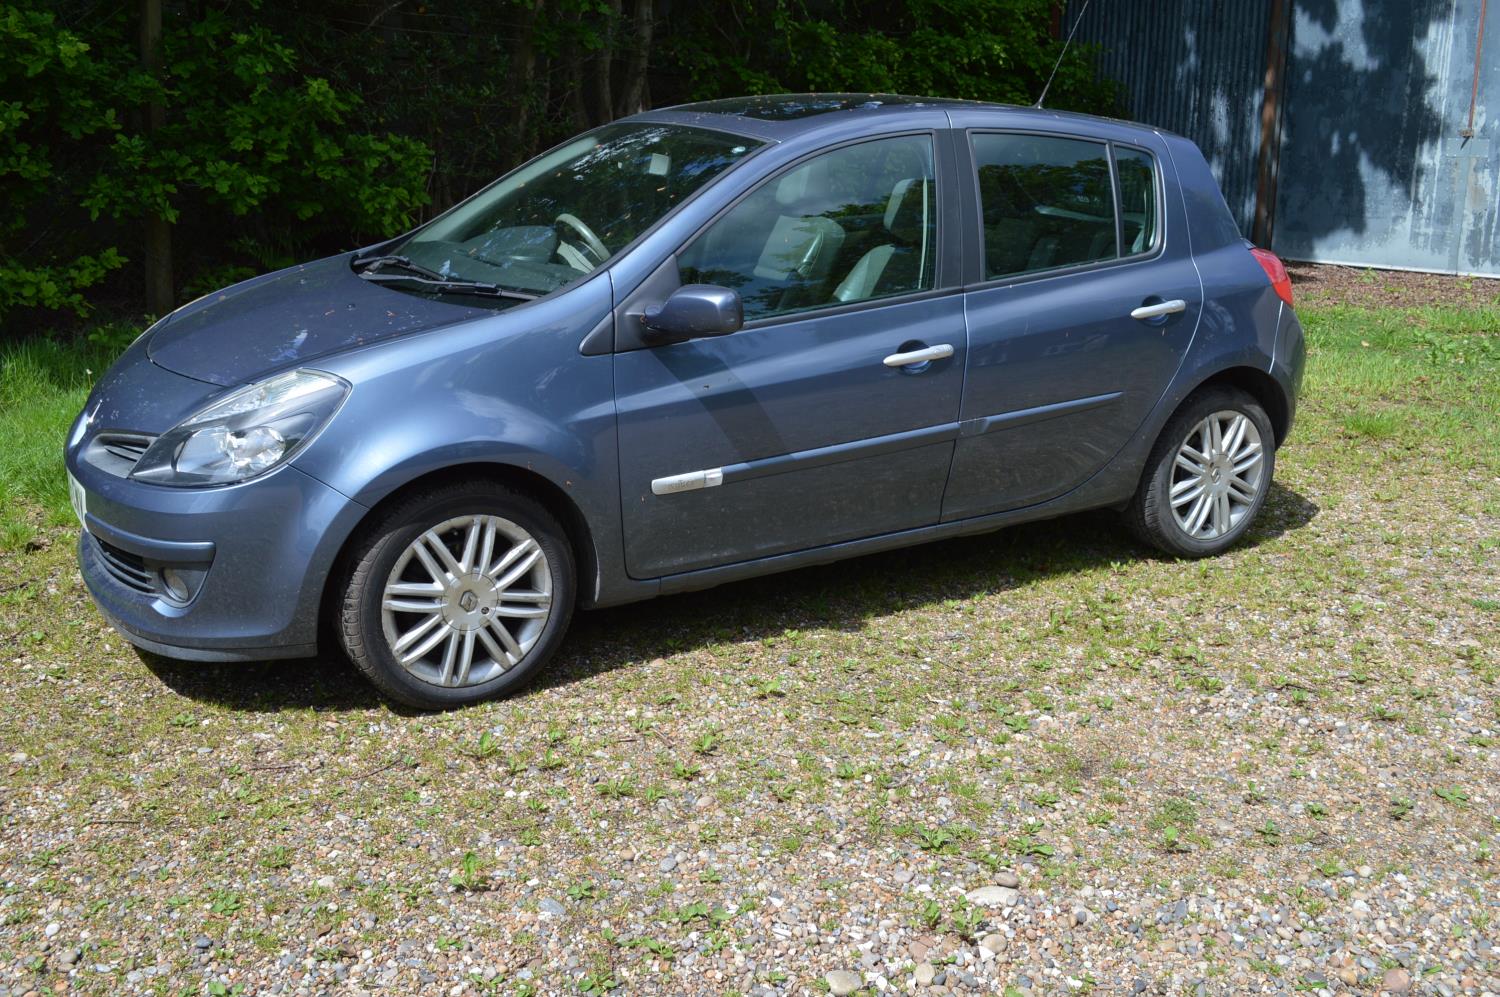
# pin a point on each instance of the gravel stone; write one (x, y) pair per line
(992, 896)
(754, 788)
(842, 982)
(1396, 981)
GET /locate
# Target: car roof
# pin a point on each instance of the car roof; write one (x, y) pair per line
(785, 116)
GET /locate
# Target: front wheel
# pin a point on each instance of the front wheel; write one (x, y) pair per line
(457, 594)
(1207, 477)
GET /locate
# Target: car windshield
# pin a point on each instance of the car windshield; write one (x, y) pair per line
(567, 212)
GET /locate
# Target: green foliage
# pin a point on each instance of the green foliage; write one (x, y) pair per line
(246, 134)
(997, 50)
(245, 130)
(51, 112)
(271, 133)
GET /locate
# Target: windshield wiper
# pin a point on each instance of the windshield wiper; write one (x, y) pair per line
(434, 281)
(404, 262)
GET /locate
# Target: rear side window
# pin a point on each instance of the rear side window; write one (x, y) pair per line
(1049, 202)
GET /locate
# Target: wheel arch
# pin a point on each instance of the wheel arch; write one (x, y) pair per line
(580, 536)
(1259, 385)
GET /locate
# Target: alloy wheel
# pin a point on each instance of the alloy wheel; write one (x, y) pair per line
(466, 600)
(1217, 475)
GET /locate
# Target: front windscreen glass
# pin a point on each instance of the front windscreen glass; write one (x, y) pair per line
(567, 212)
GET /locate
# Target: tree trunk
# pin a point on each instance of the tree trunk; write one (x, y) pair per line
(523, 73)
(158, 231)
(604, 104)
(633, 87)
(575, 103)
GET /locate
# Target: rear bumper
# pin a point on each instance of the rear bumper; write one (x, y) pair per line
(1287, 365)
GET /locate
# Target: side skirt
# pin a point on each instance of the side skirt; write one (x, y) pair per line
(704, 578)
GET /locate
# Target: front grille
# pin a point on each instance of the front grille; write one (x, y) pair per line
(124, 446)
(126, 568)
(117, 452)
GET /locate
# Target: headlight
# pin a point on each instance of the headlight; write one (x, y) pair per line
(245, 433)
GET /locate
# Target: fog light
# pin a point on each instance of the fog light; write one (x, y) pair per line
(176, 585)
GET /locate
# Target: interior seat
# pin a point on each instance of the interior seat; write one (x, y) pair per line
(802, 245)
(900, 262)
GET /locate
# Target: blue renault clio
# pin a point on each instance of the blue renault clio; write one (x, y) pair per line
(692, 346)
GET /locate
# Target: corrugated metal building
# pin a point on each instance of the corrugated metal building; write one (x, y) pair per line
(1342, 131)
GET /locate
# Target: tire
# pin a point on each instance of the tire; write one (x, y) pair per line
(1169, 522)
(475, 640)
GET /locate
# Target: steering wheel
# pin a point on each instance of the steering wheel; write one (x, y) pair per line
(591, 242)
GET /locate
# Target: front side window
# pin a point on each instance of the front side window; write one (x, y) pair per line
(562, 215)
(1047, 202)
(849, 225)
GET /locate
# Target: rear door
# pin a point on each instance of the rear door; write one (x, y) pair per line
(1082, 308)
(795, 432)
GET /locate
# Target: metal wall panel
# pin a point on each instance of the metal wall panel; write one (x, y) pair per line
(1373, 168)
(1194, 67)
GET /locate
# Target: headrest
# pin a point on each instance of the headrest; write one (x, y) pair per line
(795, 186)
(909, 209)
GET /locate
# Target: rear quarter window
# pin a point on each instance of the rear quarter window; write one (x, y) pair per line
(1138, 195)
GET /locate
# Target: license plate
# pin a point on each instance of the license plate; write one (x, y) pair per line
(80, 500)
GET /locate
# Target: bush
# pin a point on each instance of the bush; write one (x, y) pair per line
(993, 50)
(250, 146)
(293, 129)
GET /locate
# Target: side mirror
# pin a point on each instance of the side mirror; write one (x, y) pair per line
(695, 310)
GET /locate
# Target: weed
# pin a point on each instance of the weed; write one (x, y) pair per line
(468, 878)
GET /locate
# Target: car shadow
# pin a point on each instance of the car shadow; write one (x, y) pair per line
(842, 596)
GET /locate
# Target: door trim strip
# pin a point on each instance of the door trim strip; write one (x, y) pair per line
(1027, 416)
(837, 453)
(803, 460)
(689, 481)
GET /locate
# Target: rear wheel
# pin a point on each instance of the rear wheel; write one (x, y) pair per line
(457, 594)
(1208, 475)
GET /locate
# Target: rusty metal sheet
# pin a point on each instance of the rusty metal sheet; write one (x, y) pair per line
(1194, 67)
(1374, 170)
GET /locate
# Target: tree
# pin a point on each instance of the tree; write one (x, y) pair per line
(255, 133)
(247, 147)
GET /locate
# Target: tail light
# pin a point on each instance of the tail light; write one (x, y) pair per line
(1281, 282)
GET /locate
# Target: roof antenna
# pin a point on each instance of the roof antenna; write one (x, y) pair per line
(1081, 11)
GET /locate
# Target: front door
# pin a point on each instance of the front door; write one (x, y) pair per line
(1088, 303)
(806, 427)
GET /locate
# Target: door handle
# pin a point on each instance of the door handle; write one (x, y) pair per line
(1159, 309)
(924, 355)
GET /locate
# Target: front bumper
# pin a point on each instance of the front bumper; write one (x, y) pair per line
(252, 558)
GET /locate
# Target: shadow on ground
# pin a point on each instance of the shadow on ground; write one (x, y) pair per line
(840, 596)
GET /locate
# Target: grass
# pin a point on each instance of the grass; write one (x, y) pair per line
(42, 388)
(1417, 377)
(1050, 699)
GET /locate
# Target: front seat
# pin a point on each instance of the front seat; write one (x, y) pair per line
(802, 245)
(900, 262)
